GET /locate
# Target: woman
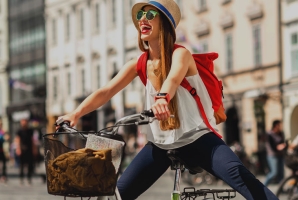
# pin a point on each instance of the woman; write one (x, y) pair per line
(156, 22)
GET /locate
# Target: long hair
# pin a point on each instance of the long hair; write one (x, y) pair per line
(167, 39)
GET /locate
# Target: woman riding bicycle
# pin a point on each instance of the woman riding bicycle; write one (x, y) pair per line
(186, 131)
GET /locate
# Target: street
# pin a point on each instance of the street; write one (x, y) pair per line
(12, 190)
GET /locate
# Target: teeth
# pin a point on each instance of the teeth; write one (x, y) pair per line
(145, 26)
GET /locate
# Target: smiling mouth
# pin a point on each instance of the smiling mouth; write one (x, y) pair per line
(145, 28)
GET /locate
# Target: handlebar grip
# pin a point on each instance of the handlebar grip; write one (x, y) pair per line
(62, 123)
(148, 113)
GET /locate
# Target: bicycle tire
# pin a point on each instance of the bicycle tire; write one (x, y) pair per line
(288, 188)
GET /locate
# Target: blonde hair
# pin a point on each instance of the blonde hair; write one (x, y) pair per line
(167, 39)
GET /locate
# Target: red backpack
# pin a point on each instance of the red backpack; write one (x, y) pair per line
(204, 63)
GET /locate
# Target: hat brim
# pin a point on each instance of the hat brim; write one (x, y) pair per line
(139, 6)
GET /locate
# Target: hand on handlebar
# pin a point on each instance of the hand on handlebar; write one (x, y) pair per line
(161, 110)
(69, 118)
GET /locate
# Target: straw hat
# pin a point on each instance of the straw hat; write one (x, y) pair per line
(168, 7)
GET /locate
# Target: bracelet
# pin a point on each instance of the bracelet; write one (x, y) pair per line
(165, 96)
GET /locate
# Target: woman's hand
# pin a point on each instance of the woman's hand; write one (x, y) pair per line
(71, 118)
(160, 109)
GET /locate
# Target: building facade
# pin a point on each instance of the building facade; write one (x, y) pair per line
(246, 34)
(4, 92)
(290, 63)
(26, 67)
(88, 43)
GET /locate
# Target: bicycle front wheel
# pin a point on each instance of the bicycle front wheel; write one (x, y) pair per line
(288, 188)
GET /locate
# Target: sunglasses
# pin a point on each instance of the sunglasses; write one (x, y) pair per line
(150, 14)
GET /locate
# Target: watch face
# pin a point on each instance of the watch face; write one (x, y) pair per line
(161, 94)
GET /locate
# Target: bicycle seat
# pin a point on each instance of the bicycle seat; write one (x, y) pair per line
(173, 154)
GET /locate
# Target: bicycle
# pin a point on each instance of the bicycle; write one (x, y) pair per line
(288, 188)
(178, 165)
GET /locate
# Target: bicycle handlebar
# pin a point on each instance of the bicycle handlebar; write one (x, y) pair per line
(143, 118)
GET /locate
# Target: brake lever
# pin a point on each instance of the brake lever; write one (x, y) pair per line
(154, 118)
(149, 120)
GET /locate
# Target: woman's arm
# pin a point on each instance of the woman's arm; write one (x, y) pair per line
(104, 94)
(183, 65)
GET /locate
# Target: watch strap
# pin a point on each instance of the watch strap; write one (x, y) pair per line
(165, 96)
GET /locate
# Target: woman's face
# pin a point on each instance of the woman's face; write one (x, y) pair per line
(149, 28)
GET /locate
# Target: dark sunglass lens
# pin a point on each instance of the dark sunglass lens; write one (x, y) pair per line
(150, 15)
(140, 15)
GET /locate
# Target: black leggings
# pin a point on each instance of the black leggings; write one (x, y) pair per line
(26, 160)
(209, 152)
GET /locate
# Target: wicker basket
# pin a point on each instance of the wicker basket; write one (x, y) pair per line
(57, 144)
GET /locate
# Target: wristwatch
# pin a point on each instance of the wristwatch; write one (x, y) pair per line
(165, 96)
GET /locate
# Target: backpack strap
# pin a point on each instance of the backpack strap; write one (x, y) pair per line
(142, 66)
(193, 93)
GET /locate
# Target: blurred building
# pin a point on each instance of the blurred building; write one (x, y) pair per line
(26, 67)
(87, 44)
(4, 93)
(246, 36)
(89, 41)
(290, 69)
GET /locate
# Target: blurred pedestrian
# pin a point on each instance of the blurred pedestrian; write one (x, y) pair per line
(3, 158)
(25, 149)
(275, 146)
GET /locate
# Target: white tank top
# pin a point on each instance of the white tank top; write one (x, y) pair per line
(192, 125)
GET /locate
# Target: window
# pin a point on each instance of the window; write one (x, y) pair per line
(40, 73)
(67, 27)
(129, 5)
(202, 47)
(83, 81)
(114, 12)
(81, 31)
(29, 33)
(202, 5)
(54, 31)
(115, 67)
(257, 45)
(98, 76)
(69, 83)
(115, 71)
(229, 51)
(55, 88)
(226, 1)
(97, 17)
(294, 53)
